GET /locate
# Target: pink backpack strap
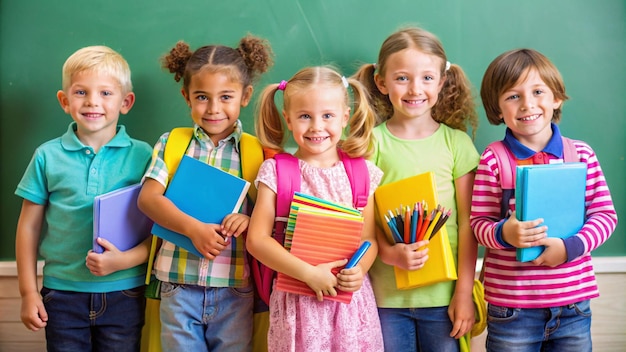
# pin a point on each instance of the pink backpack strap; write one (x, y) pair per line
(506, 161)
(570, 154)
(287, 183)
(506, 164)
(356, 169)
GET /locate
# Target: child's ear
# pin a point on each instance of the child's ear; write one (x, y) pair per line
(557, 104)
(346, 118)
(287, 121)
(442, 81)
(65, 104)
(127, 103)
(186, 96)
(247, 95)
(380, 83)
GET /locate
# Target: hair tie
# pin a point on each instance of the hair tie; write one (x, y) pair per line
(345, 82)
(447, 65)
(282, 85)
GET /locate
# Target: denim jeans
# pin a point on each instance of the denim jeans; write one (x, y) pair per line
(562, 329)
(79, 321)
(196, 318)
(417, 329)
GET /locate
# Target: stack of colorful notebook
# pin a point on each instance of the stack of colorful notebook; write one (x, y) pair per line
(319, 231)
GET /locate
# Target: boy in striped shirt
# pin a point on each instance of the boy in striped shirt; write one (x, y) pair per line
(541, 305)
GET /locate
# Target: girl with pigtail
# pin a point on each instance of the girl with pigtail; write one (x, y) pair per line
(424, 106)
(316, 110)
(206, 301)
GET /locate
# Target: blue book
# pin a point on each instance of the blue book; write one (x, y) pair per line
(204, 192)
(117, 219)
(554, 192)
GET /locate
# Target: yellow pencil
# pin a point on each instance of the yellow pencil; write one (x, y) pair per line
(432, 224)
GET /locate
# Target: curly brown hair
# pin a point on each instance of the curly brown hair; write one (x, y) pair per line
(244, 63)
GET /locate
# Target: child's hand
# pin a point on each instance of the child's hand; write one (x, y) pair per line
(235, 224)
(321, 279)
(462, 315)
(554, 254)
(208, 240)
(105, 263)
(410, 256)
(33, 312)
(523, 234)
(350, 280)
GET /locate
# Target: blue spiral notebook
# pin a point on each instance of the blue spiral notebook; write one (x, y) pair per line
(204, 192)
(554, 192)
(117, 219)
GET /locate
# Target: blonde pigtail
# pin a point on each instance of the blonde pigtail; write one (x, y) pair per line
(269, 126)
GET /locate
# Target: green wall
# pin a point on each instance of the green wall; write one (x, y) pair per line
(585, 39)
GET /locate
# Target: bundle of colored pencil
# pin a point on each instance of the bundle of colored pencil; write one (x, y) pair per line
(414, 224)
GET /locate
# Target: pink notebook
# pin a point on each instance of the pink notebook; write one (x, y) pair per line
(319, 237)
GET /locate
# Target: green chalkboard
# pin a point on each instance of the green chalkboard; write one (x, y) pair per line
(585, 39)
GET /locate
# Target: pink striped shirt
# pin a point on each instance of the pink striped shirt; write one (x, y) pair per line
(513, 284)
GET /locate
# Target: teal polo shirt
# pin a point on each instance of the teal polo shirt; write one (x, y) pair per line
(65, 176)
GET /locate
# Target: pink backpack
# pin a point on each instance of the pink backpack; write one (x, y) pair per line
(287, 183)
(507, 163)
(506, 160)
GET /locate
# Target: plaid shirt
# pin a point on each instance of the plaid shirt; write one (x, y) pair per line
(176, 265)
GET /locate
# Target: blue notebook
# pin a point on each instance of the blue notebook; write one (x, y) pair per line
(117, 219)
(554, 192)
(204, 192)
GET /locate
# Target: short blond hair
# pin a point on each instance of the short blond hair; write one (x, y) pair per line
(99, 59)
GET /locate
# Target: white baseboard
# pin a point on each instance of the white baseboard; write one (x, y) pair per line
(601, 265)
(10, 268)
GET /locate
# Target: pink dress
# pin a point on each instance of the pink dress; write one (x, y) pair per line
(301, 323)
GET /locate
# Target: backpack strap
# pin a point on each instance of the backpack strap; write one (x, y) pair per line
(251, 154)
(506, 164)
(287, 183)
(175, 147)
(570, 154)
(356, 167)
(506, 161)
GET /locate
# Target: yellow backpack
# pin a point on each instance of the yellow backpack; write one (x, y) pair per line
(252, 156)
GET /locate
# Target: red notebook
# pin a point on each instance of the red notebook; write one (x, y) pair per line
(322, 236)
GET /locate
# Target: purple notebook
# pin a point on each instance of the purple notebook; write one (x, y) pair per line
(117, 219)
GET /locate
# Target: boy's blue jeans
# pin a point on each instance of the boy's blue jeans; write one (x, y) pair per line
(562, 329)
(196, 318)
(417, 329)
(80, 321)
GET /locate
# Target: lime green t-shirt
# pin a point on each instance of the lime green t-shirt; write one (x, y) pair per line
(449, 154)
